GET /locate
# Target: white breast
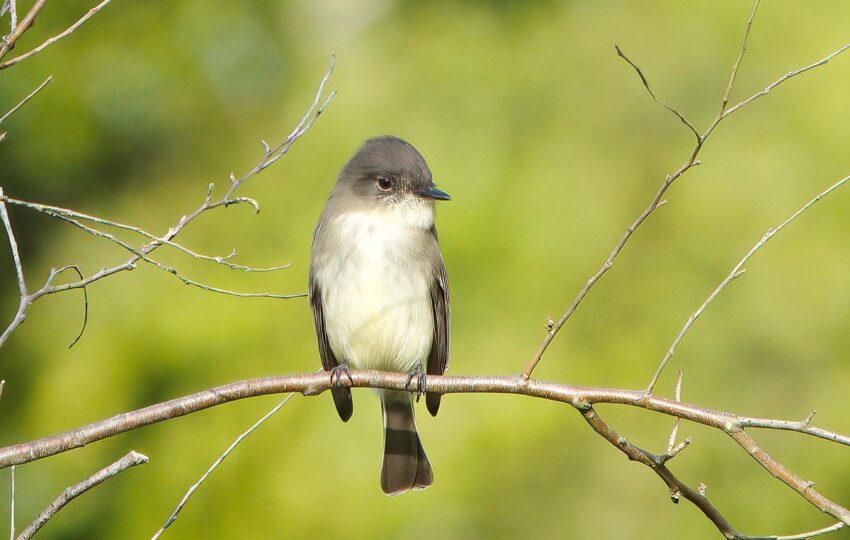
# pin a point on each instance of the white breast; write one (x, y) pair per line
(376, 291)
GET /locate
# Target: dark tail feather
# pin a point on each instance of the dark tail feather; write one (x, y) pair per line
(405, 465)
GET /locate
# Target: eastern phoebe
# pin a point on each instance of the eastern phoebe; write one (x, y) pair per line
(379, 292)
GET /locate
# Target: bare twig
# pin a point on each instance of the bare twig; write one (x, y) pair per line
(12, 503)
(8, 43)
(215, 464)
(767, 89)
(677, 395)
(89, 14)
(801, 536)
(166, 268)
(13, 245)
(10, 7)
(655, 98)
(656, 201)
(57, 211)
(270, 156)
(130, 460)
(658, 466)
(29, 97)
(741, 53)
(736, 271)
(581, 398)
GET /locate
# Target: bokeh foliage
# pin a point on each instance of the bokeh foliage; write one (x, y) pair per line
(549, 146)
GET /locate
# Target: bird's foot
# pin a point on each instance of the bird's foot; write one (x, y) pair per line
(337, 374)
(419, 374)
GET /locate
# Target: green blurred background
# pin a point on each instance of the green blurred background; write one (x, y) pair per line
(549, 146)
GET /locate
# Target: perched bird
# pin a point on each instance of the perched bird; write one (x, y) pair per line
(379, 292)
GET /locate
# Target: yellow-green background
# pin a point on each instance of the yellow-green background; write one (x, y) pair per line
(549, 146)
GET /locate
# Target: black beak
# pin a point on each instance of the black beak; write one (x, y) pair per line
(433, 193)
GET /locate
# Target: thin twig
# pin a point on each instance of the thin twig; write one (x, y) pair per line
(23, 25)
(656, 201)
(270, 156)
(677, 395)
(89, 14)
(741, 53)
(222, 260)
(801, 536)
(12, 504)
(766, 90)
(130, 460)
(655, 98)
(657, 465)
(9, 6)
(166, 268)
(29, 97)
(736, 271)
(215, 464)
(13, 245)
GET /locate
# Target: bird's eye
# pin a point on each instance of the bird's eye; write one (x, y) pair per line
(384, 183)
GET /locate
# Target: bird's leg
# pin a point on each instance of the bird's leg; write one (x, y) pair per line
(419, 374)
(337, 373)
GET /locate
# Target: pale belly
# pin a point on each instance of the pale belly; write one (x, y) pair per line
(377, 303)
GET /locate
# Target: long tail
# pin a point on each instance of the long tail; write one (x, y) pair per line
(405, 464)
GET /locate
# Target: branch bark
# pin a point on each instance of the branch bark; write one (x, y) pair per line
(130, 460)
(657, 200)
(581, 398)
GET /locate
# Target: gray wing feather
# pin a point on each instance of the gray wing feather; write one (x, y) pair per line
(341, 395)
(438, 359)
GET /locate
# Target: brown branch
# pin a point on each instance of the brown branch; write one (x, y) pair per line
(658, 466)
(89, 14)
(215, 464)
(270, 156)
(24, 101)
(581, 398)
(8, 42)
(130, 460)
(737, 271)
(655, 98)
(658, 200)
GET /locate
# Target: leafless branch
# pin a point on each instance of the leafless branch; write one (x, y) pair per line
(270, 156)
(581, 398)
(674, 433)
(655, 98)
(737, 63)
(23, 101)
(658, 466)
(164, 267)
(60, 212)
(8, 42)
(89, 14)
(130, 460)
(801, 536)
(10, 7)
(13, 245)
(736, 271)
(657, 200)
(215, 464)
(12, 503)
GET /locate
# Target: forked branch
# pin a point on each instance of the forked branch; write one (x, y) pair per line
(581, 398)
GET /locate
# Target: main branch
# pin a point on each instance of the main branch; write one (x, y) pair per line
(579, 397)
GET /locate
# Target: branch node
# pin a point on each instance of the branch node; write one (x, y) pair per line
(808, 421)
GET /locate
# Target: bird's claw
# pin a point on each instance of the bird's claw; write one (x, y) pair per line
(337, 374)
(419, 374)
